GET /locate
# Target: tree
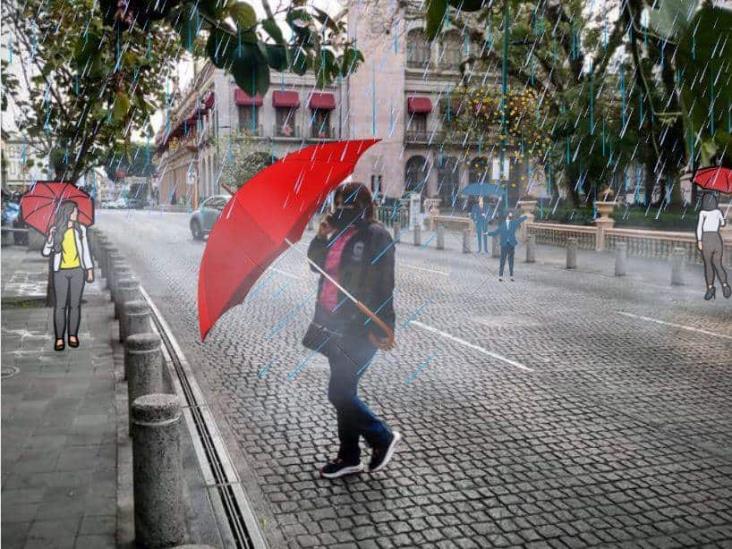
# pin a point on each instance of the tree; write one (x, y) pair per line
(243, 157)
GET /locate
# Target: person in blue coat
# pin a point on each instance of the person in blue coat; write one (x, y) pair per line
(479, 215)
(506, 230)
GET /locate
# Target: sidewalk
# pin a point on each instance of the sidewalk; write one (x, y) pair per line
(59, 422)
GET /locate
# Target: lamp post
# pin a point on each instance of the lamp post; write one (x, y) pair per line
(504, 99)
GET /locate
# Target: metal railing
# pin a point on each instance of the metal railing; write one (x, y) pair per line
(317, 133)
(554, 234)
(446, 137)
(391, 215)
(292, 133)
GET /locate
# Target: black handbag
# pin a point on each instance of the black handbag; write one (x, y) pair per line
(320, 339)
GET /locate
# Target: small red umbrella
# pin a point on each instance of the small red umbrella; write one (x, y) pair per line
(715, 178)
(265, 216)
(39, 204)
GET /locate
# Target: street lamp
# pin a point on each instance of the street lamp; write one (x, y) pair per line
(504, 98)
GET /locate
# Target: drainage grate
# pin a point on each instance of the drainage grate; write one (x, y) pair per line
(8, 371)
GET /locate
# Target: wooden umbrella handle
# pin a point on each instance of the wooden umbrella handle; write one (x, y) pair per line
(380, 323)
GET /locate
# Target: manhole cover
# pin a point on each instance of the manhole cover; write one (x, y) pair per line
(9, 371)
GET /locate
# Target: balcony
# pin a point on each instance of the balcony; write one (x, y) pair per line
(322, 134)
(289, 131)
(256, 131)
(448, 137)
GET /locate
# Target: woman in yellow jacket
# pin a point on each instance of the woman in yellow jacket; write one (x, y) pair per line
(72, 267)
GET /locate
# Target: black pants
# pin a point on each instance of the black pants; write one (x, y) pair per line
(712, 247)
(506, 252)
(68, 287)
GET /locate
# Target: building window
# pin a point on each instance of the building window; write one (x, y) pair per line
(376, 186)
(321, 124)
(448, 181)
(418, 123)
(479, 171)
(418, 49)
(416, 173)
(249, 119)
(285, 119)
(450, 54)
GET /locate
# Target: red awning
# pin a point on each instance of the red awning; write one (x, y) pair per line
(324, 101)
(285, 99)
(417, 103)
(244, 100)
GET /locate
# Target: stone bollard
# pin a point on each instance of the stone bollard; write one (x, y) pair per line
(113, 256)
(135, 319)
(36, 240)
(621, 259)
(97, 249)
(495, 246)
(417, 235)
(466, 241)
(118, 271)
(677, 267)
(103, 251)
(531, 249)
(128, 289)
(143, 365)
(397, 233)
(157, 471)
(571, 253)
(440, 237)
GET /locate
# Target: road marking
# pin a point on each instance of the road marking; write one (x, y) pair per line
(443, 273)
(681, 326)
(285, 273)
(471, 345)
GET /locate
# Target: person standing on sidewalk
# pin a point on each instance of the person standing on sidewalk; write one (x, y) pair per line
(357, 252)
(507, 231)
(479, 215)
(710, 244)
(72, 266)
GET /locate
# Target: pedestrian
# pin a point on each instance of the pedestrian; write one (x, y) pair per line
(358, 252)
(479, 215)
(507, 231)
(72, 266)
(709, 242)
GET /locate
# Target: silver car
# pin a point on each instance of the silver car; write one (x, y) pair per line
(203, 218)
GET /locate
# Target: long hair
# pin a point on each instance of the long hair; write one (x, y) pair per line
(709, 202)
(359, 195)
(61, 222)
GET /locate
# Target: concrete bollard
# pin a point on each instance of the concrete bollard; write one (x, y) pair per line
(135, 319)
(440, 237)
(128, 289)
(157, 471)
(677, 267)
(621, 259)
(495, 246)
(417, 235)
(118, 271)
(571, 253)
(103, 250)
(113, 256)
(36, 240)
(397, 232)
(143, 366)
(97, 249)
(531, 249)
(466, 241)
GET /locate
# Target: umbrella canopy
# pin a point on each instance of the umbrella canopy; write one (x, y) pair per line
(482, 189)
(38, 206)
(273, 207)
(714, 179)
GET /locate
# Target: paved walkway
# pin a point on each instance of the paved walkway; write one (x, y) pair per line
(59, 423)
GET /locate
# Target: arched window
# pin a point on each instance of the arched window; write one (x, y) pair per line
(448, 181)
(479, 170)
(418, 49)
(450, 50)
(415, 174)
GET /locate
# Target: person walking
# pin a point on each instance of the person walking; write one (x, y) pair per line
(507, 232)
(710, 244)
(479, 215)
(358, 252)
(72, 266)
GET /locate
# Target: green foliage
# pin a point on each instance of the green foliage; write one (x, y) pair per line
(243, 157)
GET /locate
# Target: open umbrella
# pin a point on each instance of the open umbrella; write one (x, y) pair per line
(265, 216)
(39, 204)
(714, 179)
(482, 189)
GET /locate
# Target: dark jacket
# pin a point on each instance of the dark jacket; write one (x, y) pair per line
(508, 234)
(479, 215)
(367, 272)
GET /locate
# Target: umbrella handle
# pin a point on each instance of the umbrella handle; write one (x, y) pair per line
(380, 323)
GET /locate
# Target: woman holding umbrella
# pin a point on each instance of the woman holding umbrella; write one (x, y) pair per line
(72, 266)
(711, 246)
(356, 252)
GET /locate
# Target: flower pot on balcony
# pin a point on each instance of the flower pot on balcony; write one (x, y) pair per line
(605, 208)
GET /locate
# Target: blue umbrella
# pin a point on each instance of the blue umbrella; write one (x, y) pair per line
(482, 189)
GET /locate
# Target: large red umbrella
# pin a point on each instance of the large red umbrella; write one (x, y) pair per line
(39, 204)
(266, 215)
(714, 179)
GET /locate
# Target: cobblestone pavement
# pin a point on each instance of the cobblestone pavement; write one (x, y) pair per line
(566, 409)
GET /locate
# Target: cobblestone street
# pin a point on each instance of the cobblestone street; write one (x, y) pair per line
(565, 409)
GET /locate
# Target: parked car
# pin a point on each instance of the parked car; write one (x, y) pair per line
(203, 218)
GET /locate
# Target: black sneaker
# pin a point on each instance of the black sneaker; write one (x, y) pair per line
(382, 455)
(339, 468)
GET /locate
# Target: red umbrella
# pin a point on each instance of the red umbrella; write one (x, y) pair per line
(39, 204)
(714, 179)
(265, 216)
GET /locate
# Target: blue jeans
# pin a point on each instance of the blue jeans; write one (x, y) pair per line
(507, 252)
(349, 358)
